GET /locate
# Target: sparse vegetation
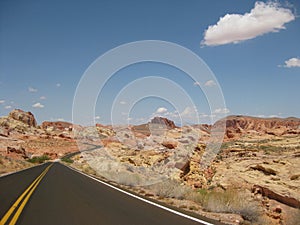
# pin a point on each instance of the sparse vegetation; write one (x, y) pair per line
(171, 189)
(123, 177)
(39, 159)
(67, 160)
(231, 201)
(88, 170)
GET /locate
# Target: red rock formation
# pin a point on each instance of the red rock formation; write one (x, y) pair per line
(59, 125)
(145, 130)
(239, 125)
(24, 117)
(17, 150)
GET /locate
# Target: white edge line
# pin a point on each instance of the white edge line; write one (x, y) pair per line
(141, 199)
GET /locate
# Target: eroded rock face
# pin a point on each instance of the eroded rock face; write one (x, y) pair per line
(25, 117)
(17, 150)
(237, 126)
(4, 132)
(164, 121)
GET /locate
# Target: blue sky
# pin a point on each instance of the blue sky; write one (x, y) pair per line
(251, 47)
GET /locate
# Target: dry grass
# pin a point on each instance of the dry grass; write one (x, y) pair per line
(88, 170)
(129, 179)
(231, 201)
(170, 189)
(123, 177)
(8, 165)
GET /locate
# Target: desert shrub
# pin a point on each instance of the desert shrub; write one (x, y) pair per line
(123, 177)
(171, 189)
(231, 201)
(197, 196)
(127, 178)
(39, 159)
(67, 160)
(88, 170)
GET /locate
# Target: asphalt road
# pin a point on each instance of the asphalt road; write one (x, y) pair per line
(66, 197)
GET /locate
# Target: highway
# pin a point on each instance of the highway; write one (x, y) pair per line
(53, 194)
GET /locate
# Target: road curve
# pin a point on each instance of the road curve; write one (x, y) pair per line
(66, 197)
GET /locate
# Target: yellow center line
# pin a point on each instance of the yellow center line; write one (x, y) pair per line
(31, 188)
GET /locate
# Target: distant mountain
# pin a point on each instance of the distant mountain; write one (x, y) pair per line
(237, 126)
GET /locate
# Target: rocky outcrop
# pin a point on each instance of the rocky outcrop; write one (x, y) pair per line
(105, 131)
(164, 121)
(157, 125)
(17, 150)
(290, 201)
(265, 170)
(237, 126)
(4, 132)
(24, 117)
(59, 125)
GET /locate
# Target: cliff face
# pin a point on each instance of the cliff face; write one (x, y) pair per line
(237, 126)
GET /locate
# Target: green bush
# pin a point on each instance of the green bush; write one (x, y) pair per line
(67, 160)
(39, 159)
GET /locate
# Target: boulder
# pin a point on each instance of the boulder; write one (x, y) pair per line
(170, 144)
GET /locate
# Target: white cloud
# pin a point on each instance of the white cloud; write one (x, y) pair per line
(210, 83)
(31, 89)
(60, 119)
(7, 107)
(273, 116)
(161, 110)
(188, 112)
(58, 85)
(293, 62)
(221, 111)
(43, 97)
(234, 28)
(123, 102)
(97, 117)
(38, 105)
(2, 101)
(189, 115)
